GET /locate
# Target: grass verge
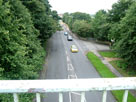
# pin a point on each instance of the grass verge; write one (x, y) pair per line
(109, 54)
(104, 71)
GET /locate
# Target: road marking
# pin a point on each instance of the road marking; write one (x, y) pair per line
(70, 67)
(71, 77)
(68, 59)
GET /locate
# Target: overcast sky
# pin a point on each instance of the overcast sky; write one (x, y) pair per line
(87, 6)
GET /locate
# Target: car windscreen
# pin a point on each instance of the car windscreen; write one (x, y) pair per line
(69, 37)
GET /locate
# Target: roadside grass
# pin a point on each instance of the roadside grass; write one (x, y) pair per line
(104, 71)
(100, 67)
(109, 54)
(124, 72)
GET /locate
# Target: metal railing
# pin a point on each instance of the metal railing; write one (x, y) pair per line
(68, 85)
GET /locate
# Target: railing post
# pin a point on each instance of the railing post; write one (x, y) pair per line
(60, 97)
(104, 96)
(15, 97)
(83, 97)
(38, 98)
(125, 96)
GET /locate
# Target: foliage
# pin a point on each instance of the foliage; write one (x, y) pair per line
(126, 44)
(54, 13)
(118, 64)
(115, 15)
(21, 53)
(100, 27)
(118, 10)
(20, 57)
(81, 16)
(42, 18)
(82, 28)
(79, 23)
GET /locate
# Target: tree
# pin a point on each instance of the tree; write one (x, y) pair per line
(126, 44)
(118, 10)
(100, 26)
(55, 15)
(82, 28)
(81, 16)
(21, 54)
(42, 18)
(115, 15)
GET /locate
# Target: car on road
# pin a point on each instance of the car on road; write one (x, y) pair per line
(66, 33)
(69, 38)
(74, 48)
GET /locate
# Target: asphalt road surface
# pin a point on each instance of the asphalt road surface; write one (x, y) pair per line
(63, 64)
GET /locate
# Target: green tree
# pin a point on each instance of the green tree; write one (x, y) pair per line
(126, 44)
(55, 15)
(20, 55)
(41, 17)
(81, 16)
(82, 28)
(118, 10)
(100, 26)
(115, 15)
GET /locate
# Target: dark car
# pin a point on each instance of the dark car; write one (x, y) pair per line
(69, 38)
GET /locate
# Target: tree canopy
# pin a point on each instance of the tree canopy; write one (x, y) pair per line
(24, 27)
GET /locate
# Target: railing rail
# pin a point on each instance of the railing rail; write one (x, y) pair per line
(68, 85)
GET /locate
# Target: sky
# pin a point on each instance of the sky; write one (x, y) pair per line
(86, 6)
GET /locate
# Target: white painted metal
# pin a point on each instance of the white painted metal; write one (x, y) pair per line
(104, 96)
(38, 98)
(60, 97)
(15, 97)
(69, 85)
(125, 96)
(83, 97)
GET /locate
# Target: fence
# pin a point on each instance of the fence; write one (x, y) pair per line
(68, 85)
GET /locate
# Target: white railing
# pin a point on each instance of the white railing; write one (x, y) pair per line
(68, 85)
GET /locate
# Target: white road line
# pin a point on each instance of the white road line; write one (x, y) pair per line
(71, 77)
(68, 59)
(70, 67)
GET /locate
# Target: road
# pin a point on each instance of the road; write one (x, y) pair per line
(62, 64)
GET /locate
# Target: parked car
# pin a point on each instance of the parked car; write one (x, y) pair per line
(69, 38)
(65, 33)
(74, 48)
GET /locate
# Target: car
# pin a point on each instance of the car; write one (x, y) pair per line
(74, 48)
(69, 38)
(66, 33)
